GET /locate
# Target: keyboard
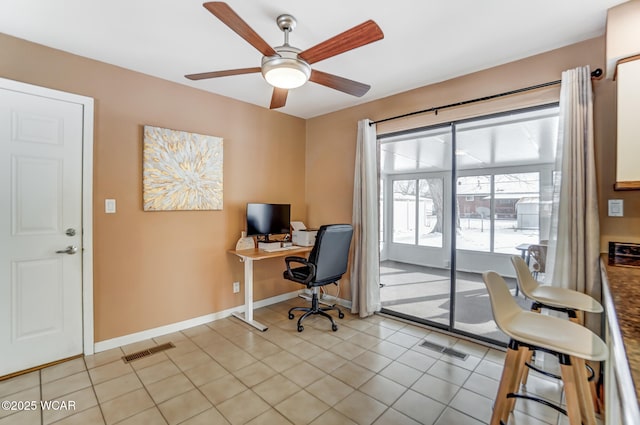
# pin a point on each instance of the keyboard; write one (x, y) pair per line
(282, 248)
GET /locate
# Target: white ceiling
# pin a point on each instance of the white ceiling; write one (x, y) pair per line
(426, 41)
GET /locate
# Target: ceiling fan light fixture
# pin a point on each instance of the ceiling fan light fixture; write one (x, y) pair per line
(285, 72)
(286, 67)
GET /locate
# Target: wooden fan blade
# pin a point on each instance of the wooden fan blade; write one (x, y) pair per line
(231, 19)
(339, 83)
(216, 74)
(365, 33)
(279, 98)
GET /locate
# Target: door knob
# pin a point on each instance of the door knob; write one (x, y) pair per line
(71, 249)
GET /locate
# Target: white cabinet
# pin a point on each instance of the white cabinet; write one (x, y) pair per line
(623, 65)
(628, 140)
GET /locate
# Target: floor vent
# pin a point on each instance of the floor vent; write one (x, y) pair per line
(145, 353)
(444, 350)
(455, 353)
(433, 346)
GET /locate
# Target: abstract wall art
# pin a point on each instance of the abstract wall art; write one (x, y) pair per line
(181, 170)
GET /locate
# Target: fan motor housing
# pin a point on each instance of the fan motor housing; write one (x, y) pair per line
(286, 69)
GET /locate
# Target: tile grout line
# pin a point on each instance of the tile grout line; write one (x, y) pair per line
(93, 388)
(193, 383)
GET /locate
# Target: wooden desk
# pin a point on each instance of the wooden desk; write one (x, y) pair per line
(248, 256)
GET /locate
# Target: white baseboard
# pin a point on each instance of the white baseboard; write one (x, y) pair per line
(344, 303)
(325, 298)
(185, 324)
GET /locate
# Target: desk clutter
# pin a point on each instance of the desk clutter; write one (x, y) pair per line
(245, 242)
(302, 236)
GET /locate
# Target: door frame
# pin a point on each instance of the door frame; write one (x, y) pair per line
(87, 195)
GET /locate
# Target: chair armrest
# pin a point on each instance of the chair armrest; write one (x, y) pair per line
(304, 262)
(294, 259)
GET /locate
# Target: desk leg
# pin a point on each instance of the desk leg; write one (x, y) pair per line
(247, 316)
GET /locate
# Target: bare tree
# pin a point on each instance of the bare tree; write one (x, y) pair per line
(436, 193)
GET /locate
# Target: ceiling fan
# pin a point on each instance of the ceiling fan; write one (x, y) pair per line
(286, 67)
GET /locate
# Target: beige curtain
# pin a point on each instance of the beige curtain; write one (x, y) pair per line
(574, 251)
(365, 264)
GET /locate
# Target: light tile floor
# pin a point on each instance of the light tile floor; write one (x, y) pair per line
(371, 371)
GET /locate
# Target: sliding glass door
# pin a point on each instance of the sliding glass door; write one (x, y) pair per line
(415, 262)
(457, 200)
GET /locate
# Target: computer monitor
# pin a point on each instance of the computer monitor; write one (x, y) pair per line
(268, 219)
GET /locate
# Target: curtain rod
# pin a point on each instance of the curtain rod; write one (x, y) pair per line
(597, 73)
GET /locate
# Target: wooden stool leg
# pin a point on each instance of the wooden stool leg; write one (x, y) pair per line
(507, 382)
(524, 374)
(524, 353)
(570, 391)
(597, 406)
(584, 392)
(579, 319)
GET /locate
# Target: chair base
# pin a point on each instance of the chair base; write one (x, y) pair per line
(315, 309)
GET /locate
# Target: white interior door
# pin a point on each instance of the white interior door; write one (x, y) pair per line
(40, 230)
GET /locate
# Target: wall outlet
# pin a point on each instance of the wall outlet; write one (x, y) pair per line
(236, 287)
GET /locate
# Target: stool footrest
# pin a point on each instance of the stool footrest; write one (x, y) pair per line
(542, 372)
(592, 373)
(538, 400)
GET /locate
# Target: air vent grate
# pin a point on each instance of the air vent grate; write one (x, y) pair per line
(432, 346)
(145, 353)
(455, 353)
(444, 350)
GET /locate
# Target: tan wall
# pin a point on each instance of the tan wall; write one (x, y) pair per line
(157, 268)
(331, 138)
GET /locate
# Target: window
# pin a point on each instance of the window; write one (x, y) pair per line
(503, 212)
(503, 175)
(517, 216)
(430, 225)
(418, 211)
(474, 213)
(404, 211)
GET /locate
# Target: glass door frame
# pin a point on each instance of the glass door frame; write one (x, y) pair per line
(450, 195)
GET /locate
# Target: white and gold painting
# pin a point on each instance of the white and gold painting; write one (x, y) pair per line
(181, 170)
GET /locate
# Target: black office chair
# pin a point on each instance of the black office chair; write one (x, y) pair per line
(326, 264)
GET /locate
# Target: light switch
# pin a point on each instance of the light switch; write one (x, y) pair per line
(110, 206)
(616, 208)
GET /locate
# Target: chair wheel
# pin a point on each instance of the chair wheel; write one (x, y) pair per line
(341, 315)
(334, 327)
(290, 316)
(300, 328)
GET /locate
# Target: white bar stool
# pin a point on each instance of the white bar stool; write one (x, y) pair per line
(551, 297)
(558, 299)
(571, 343)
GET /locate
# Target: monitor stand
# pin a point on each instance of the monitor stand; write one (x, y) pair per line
(265, 239)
